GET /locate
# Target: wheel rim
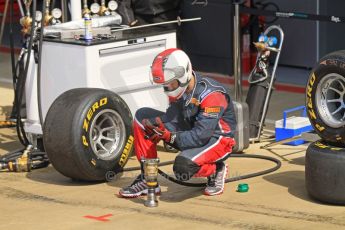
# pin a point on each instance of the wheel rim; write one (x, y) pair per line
(330, 100)
(107, 134)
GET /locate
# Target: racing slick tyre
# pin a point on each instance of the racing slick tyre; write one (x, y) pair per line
(324, 172)
(87, 133)
(325, 97)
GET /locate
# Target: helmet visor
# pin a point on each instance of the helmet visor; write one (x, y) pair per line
(171, 86)
(173, 73)
(169, 75)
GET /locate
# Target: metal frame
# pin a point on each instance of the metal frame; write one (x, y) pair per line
(237, 64)
(273, 75)
(4, 15)
(237, 53)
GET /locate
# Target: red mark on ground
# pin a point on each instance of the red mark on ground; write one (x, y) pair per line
(99, 218)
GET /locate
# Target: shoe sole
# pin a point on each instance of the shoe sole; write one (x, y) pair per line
(143, 193)
(221, 191)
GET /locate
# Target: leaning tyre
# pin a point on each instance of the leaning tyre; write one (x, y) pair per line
(324, 172)
(87, 133)
(325, 96)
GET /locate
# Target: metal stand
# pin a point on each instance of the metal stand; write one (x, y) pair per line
(273, 75)
(64, 8)
(4, 15)
(151, 174)
(178, 21)
(21, 8)
(237, 64)
(237, 53)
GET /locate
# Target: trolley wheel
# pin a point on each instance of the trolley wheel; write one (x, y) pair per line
(324, 171)
(87, 133)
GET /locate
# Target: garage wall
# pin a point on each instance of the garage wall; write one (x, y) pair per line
(208, 42)
(307, 41)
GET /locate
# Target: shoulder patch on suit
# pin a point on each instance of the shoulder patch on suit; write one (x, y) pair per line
(214, 109)
(212, 112)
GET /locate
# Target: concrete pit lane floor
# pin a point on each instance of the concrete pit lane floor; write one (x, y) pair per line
(45, 199)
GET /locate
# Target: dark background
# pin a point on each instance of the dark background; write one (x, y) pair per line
(209, 42)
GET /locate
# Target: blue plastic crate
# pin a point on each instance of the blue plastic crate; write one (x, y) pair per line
(292, 126)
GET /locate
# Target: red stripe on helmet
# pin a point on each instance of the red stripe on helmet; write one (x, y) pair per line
(157, 66)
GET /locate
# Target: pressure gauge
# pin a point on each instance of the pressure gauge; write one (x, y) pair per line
(56, 13)
(21, 21)
(55, 21)
(112, 5)
(38, 16)
(26, 21)
(95, 8)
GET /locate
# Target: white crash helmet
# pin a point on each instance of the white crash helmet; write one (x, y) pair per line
(172, 64)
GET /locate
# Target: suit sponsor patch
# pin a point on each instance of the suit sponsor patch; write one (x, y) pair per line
(212, 111)
(215, 109)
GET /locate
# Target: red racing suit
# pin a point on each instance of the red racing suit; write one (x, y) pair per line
(202, 124)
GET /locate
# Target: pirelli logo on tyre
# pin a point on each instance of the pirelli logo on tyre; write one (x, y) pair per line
(126, 151)
(89, 115)
(310, 105)
(333, 62)
(323, 146)
(311, 82)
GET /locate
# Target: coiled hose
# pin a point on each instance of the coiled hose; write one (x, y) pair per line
(232, 179)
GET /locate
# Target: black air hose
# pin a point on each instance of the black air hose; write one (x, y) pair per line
(246, 176)
(39, 65)
(11, 155)
(17, 101)
(22, 79)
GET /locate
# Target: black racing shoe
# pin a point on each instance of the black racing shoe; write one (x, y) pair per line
(137, 188)
(216, 182)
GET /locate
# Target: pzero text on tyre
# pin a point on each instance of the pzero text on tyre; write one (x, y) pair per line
(324, 172)
(325, 98)
(87, 133)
